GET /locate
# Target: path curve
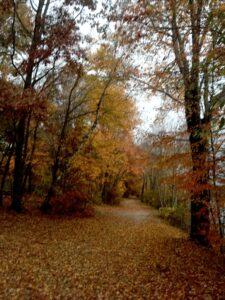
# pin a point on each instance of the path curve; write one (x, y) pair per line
(134, 210)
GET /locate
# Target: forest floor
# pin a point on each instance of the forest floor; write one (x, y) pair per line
(123, 252)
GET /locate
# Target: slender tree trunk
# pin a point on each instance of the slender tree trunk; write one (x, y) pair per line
(21, 127)
(19, 166)
(5, 173)
(215, 185)
(143, 189)
(46, 205)
(29, 169)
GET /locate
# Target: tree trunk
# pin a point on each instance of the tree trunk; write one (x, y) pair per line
(143, 189)
(20, 138)
(19, 167)
(5, 173)
(214, 177)
(200, 198)
(29, 168)
(46, 205)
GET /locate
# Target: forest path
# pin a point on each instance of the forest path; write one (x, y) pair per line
(134, 210)
(123, 252)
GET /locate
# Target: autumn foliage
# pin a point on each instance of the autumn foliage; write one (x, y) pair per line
(65, 112)
(90, 186)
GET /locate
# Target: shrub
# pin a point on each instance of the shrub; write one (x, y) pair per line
(151, 197)
(177, 216)
(115, 201)
(72, 203)
(110, 196)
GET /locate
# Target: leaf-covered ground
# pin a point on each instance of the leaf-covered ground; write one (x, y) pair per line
(122, 253)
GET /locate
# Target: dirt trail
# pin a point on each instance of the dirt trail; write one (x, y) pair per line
(123, 252)
(134, 210)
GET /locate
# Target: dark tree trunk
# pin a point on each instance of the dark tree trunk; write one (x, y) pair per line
(5, 173)
(143, 188)
(29, 168)
(20, 139)
(200, 198)
(200, 210)
(17, 192)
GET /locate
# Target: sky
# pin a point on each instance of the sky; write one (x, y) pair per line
(153, 119)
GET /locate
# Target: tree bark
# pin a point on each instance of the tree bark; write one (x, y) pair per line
(5, 173)
(200, 198)
(19, 166)
(29, 168)
(197, 127)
